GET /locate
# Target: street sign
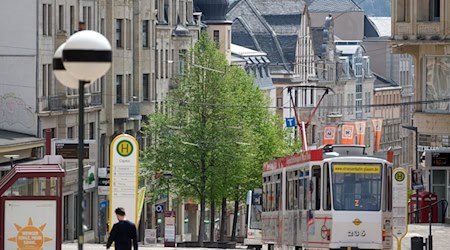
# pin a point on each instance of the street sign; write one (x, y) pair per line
(159, 208)
(290, 122)
(123, 180)
(399, 204)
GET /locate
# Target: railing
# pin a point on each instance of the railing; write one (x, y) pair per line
(55, 103)
(70, 102)
(444, 205)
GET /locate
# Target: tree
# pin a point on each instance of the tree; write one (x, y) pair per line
(217, 131)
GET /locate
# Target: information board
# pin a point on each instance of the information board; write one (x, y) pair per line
(123, 181)
(399, 203)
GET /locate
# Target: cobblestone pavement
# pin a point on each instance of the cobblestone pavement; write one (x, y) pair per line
(440, 233)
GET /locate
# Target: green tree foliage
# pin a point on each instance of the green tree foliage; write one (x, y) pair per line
(216, 134)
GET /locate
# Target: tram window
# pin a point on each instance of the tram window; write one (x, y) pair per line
(327, 190)
(277, 196)
(316, 190)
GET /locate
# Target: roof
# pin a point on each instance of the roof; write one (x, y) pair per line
(382, 82)
(269, 26)
(334, 6)
(382, 25)
(347, 49)
(9, 138)
(30, 171)
(243, 51)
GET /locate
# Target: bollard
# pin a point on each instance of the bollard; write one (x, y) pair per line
(417, 243)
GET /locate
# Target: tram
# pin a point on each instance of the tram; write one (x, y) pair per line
(334, 197)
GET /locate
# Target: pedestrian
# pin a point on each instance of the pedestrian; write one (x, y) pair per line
(123, 233)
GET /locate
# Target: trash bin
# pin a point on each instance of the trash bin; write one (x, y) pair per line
(417, 243)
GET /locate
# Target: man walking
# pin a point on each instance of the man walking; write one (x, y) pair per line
(123, 233)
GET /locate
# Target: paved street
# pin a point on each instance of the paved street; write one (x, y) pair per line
(440, 232)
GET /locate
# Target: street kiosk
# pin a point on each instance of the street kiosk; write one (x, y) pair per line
(30, 207)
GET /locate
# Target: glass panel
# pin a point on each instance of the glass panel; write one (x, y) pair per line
(356, 186)
(438, 177)
(39, 186)
(437, 82)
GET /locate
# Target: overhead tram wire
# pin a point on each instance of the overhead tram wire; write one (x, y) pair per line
(185, 103)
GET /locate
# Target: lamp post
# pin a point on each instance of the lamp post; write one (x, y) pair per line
(85, 57)
(11, 159)
(414, 129)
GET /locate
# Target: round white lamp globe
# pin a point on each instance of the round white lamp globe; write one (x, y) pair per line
(87, 55)
(60, 72)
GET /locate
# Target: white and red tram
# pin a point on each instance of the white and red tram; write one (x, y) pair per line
(335, 197)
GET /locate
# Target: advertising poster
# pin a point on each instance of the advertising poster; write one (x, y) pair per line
(30, 224)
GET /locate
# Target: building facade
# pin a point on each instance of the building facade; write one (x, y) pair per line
(420, 29)
(146, 38)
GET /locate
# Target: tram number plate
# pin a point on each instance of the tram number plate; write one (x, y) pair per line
(356, 233)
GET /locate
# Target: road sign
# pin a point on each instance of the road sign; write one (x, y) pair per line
(159, 208)
(123, 180)
(290, 122)
(399, 204)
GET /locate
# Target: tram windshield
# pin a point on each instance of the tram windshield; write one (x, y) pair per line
(356, 186)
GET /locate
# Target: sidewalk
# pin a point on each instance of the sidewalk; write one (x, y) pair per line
(440, 233)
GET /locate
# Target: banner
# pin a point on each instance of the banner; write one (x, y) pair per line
(329, 134)
(348, 133)
(360, 132)
(377, 124)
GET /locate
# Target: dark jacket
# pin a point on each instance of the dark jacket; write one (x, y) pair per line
(124, 235)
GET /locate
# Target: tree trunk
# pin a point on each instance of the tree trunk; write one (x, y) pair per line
(235, 218)
(212, 220)
(201, 228)
(223, 219)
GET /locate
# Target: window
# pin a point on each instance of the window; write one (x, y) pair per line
(315, 187)
(327, 188)
(157, 63)
(130, 88)
(50, 79)
(435, 10)
(216, 38)
(166, 63)
(128, 33)
(70, 132)
(89, 19)
(153, 88)
(119, 30)
(119, 86)
(85, 16)
(403, 10)
(61, 17)
(102, 26)
(437, 83)
(357, 186)
(145, 87)
(44, 80)
(72, 19)
(145, 34)
(91, 131)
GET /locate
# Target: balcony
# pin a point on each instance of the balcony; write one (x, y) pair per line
(420, 31)
(63, 103)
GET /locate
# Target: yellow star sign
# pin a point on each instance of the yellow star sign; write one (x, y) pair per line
(30, 237)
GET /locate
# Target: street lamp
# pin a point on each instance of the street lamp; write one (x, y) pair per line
(11, 159)
(86, 56)
(414, 129)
